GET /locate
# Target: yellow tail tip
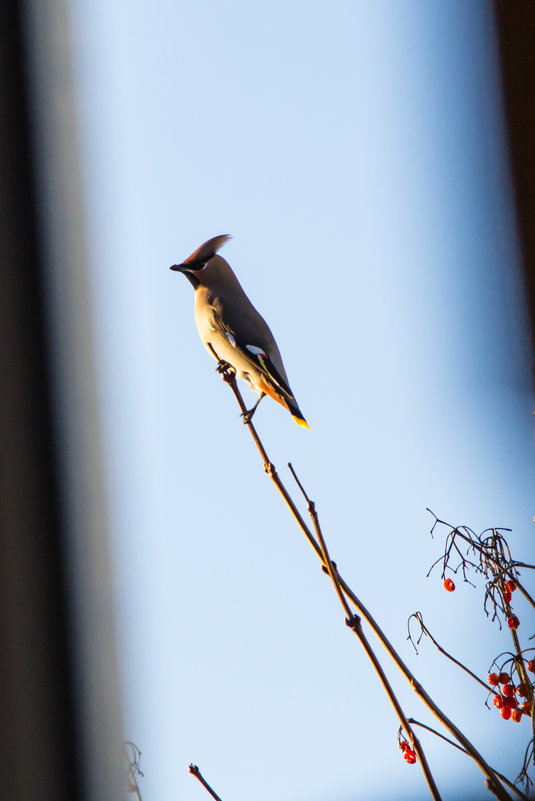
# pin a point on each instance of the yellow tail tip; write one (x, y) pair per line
(301, 422)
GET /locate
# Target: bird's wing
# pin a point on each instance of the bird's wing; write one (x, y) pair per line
(251, 334)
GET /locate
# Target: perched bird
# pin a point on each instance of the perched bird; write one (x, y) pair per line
(233, 330)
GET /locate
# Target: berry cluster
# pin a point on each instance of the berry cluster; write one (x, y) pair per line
(508, 589)
(467, 554)
(408, 754)
(506, 700)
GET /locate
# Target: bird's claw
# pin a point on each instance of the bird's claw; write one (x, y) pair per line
(222, 367)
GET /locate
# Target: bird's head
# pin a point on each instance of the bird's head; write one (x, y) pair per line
(202, 261)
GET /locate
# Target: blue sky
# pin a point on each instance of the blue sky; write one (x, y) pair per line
(357, 155)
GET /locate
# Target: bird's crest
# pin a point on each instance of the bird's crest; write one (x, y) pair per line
(209, 249)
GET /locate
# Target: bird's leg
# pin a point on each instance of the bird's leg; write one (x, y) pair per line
(248, 416)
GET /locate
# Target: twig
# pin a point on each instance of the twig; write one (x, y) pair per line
(270, 469)
(528, 756)
(425, 697)
(504, 779)
(487, 555)
(418, 616)
(493, 781)
(194, 770)
(354, 623)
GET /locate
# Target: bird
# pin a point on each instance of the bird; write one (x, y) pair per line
(232, 330)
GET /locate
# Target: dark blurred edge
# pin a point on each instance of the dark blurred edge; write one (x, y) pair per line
(39, 757)
(515, 22)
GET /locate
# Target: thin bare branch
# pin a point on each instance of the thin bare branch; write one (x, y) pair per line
(425, 697)
(424, 630)
(354, 623)
(523, 776)
(194, 770)
(493, 781)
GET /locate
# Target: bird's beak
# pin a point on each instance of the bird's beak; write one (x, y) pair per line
(186, 270)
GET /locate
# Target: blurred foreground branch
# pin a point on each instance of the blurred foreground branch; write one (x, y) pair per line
(133, 770)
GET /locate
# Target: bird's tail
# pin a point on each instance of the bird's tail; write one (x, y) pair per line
(285, 398)
(295, 411)
(301, 422)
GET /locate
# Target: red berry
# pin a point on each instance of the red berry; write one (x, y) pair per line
(498, 701)
(449, 585)
(506, 713)
(507, 596)
(508, 689)
(526, 707)
(509, 702)
(513, 622)
(493, 679)
(531, 665)
(516, 715)
(409, 756)
(404, 745)
(522, 690)
(504, 678)
(510, 584)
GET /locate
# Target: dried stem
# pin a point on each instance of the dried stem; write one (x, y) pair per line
(507, 567)
(418, 617)
(194, 770)
(492, 778)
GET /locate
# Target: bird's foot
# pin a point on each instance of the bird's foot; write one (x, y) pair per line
(223, 367)
(248, 416)
(226, 371)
